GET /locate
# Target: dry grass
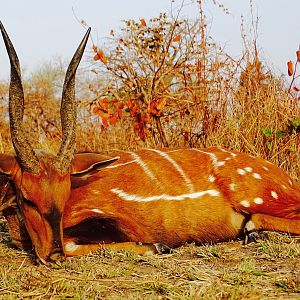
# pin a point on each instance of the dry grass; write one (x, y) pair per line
(268, 269)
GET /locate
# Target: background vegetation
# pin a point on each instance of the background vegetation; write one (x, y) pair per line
(165, 82)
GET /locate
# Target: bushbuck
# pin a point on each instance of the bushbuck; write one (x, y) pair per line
(146, 201)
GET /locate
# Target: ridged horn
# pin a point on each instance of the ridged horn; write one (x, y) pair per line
(25, 154)
(68, 112)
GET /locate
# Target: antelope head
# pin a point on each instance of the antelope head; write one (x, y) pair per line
(41, 181)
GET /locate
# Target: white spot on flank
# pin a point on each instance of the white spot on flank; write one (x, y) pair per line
(232, 186)
(241, 171)
(220, 163)
(71, 247)
(96, 192)
(284, 186)
(256, 176)
(258, 200)
(226, 151)
(245, 203)
(227, 158)
(265, 168)
(98, 211)
(211, 178)
(142, 164)
(248, 169)
(177, 167)
(290, 182)
(274, 195)
(137, 198)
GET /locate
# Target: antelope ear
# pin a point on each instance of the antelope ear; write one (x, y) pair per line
(84, 163)
(8, 163)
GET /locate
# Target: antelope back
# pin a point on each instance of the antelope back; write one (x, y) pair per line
(41, 181)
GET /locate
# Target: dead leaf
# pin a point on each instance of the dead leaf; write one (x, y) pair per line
(177, 38)
(100, 56)
(143, 22)
(290, 68)
(296, 89)
(113, 120)
(120, 113)
(104, 122)
(161, 104)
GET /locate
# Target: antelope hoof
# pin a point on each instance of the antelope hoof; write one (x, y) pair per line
(250, 232)
(162, 248)
(57, 257)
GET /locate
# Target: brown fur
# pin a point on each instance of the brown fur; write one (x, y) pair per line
(100, 216)
(202, 220)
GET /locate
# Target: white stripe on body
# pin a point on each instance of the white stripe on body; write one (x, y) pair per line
(221, 149)
(226, 151)
(175, 150)
(132, 197)
(143, 165)
(211, 155)
(177, 167)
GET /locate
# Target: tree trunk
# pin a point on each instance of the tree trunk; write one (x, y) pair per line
(162, 136)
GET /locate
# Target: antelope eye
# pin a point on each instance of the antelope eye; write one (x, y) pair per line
(29, 203)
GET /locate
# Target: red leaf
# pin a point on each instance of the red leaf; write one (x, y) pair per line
(120, 113)
(290, 68)
(296, 89)
(177, 38)
(143, 22)
(103, 103)
(298, 55)
(104, 122)
(133, 110)
(115, 102)
(95, 110)
(113, 120)
(129, 103)
(100, 56)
